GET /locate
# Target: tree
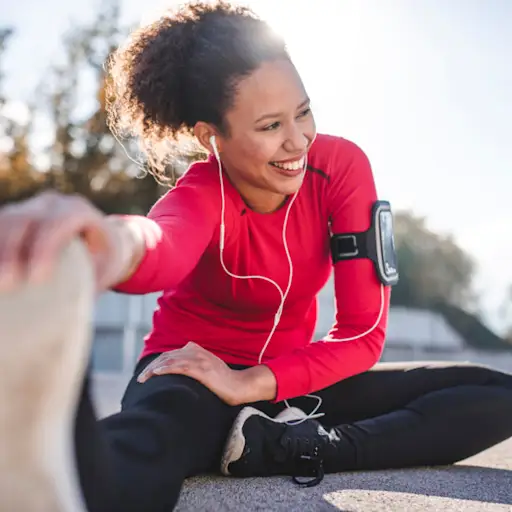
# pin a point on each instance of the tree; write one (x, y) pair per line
(18, 178)
(85, 158)
(5, 33)
(438, 275)
(433, 269)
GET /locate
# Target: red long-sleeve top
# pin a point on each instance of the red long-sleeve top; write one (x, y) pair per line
(233, 317)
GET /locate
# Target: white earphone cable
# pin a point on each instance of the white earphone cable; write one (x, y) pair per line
(283, 295)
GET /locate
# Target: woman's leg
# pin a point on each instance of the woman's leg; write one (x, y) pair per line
(391, 386)
(396, 415)
(416, 414)
(168, 428)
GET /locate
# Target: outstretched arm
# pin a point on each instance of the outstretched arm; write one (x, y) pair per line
(174, 236)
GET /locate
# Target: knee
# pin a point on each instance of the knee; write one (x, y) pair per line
(480, 374)
(169, 392)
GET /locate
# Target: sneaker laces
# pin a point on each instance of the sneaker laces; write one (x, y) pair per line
(305, 455)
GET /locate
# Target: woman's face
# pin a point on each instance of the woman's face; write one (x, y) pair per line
(271, 128)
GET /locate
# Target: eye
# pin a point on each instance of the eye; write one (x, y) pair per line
(272, 126)
(305, 112)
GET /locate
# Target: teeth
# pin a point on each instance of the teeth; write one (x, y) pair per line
(290, 166)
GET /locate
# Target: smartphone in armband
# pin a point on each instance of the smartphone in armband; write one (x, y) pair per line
(376, 244)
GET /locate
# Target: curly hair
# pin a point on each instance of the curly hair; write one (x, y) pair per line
(184, 68)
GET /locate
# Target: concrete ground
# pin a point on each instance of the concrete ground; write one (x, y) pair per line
(482, 483)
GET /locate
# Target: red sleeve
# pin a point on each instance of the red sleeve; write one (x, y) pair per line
(358, 292)
(177, 231)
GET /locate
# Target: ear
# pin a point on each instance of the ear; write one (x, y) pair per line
(204, 132)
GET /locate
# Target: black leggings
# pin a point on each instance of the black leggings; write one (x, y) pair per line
(394, 416)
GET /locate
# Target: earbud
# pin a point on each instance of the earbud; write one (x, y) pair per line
(214, 144)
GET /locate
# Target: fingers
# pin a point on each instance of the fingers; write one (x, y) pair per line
(33, 232)
(201, 365)
(163, 365)
(189, 360)
(148, 370)
(13, 254)
(18, 223)
(179, 366)
(67, 219)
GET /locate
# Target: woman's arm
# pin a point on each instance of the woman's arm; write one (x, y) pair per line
(172, 238)
(358, 293)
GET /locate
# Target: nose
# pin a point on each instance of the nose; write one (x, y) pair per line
(297, 140)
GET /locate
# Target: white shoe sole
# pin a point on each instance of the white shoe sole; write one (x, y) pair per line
(235, 443)
(44, 349)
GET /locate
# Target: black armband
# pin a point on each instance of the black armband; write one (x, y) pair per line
(376, 244)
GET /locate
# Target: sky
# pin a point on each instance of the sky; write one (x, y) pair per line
(423, 87)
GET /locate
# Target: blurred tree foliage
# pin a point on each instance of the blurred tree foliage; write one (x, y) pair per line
(433, 269)
(83, 156)
(17, 176)
(436, 274)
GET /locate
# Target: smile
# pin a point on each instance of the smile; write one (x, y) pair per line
(290, 166)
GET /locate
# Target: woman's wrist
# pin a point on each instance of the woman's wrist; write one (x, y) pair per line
(131, 245)
(258, 383)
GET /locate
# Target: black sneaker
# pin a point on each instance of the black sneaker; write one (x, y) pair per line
(261, 446)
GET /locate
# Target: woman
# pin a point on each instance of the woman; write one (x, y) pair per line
(240, 248)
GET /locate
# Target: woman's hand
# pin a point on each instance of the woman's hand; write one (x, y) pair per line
(33, 232)
(234, 387)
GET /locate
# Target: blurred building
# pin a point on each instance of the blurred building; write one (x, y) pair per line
(122, 321)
